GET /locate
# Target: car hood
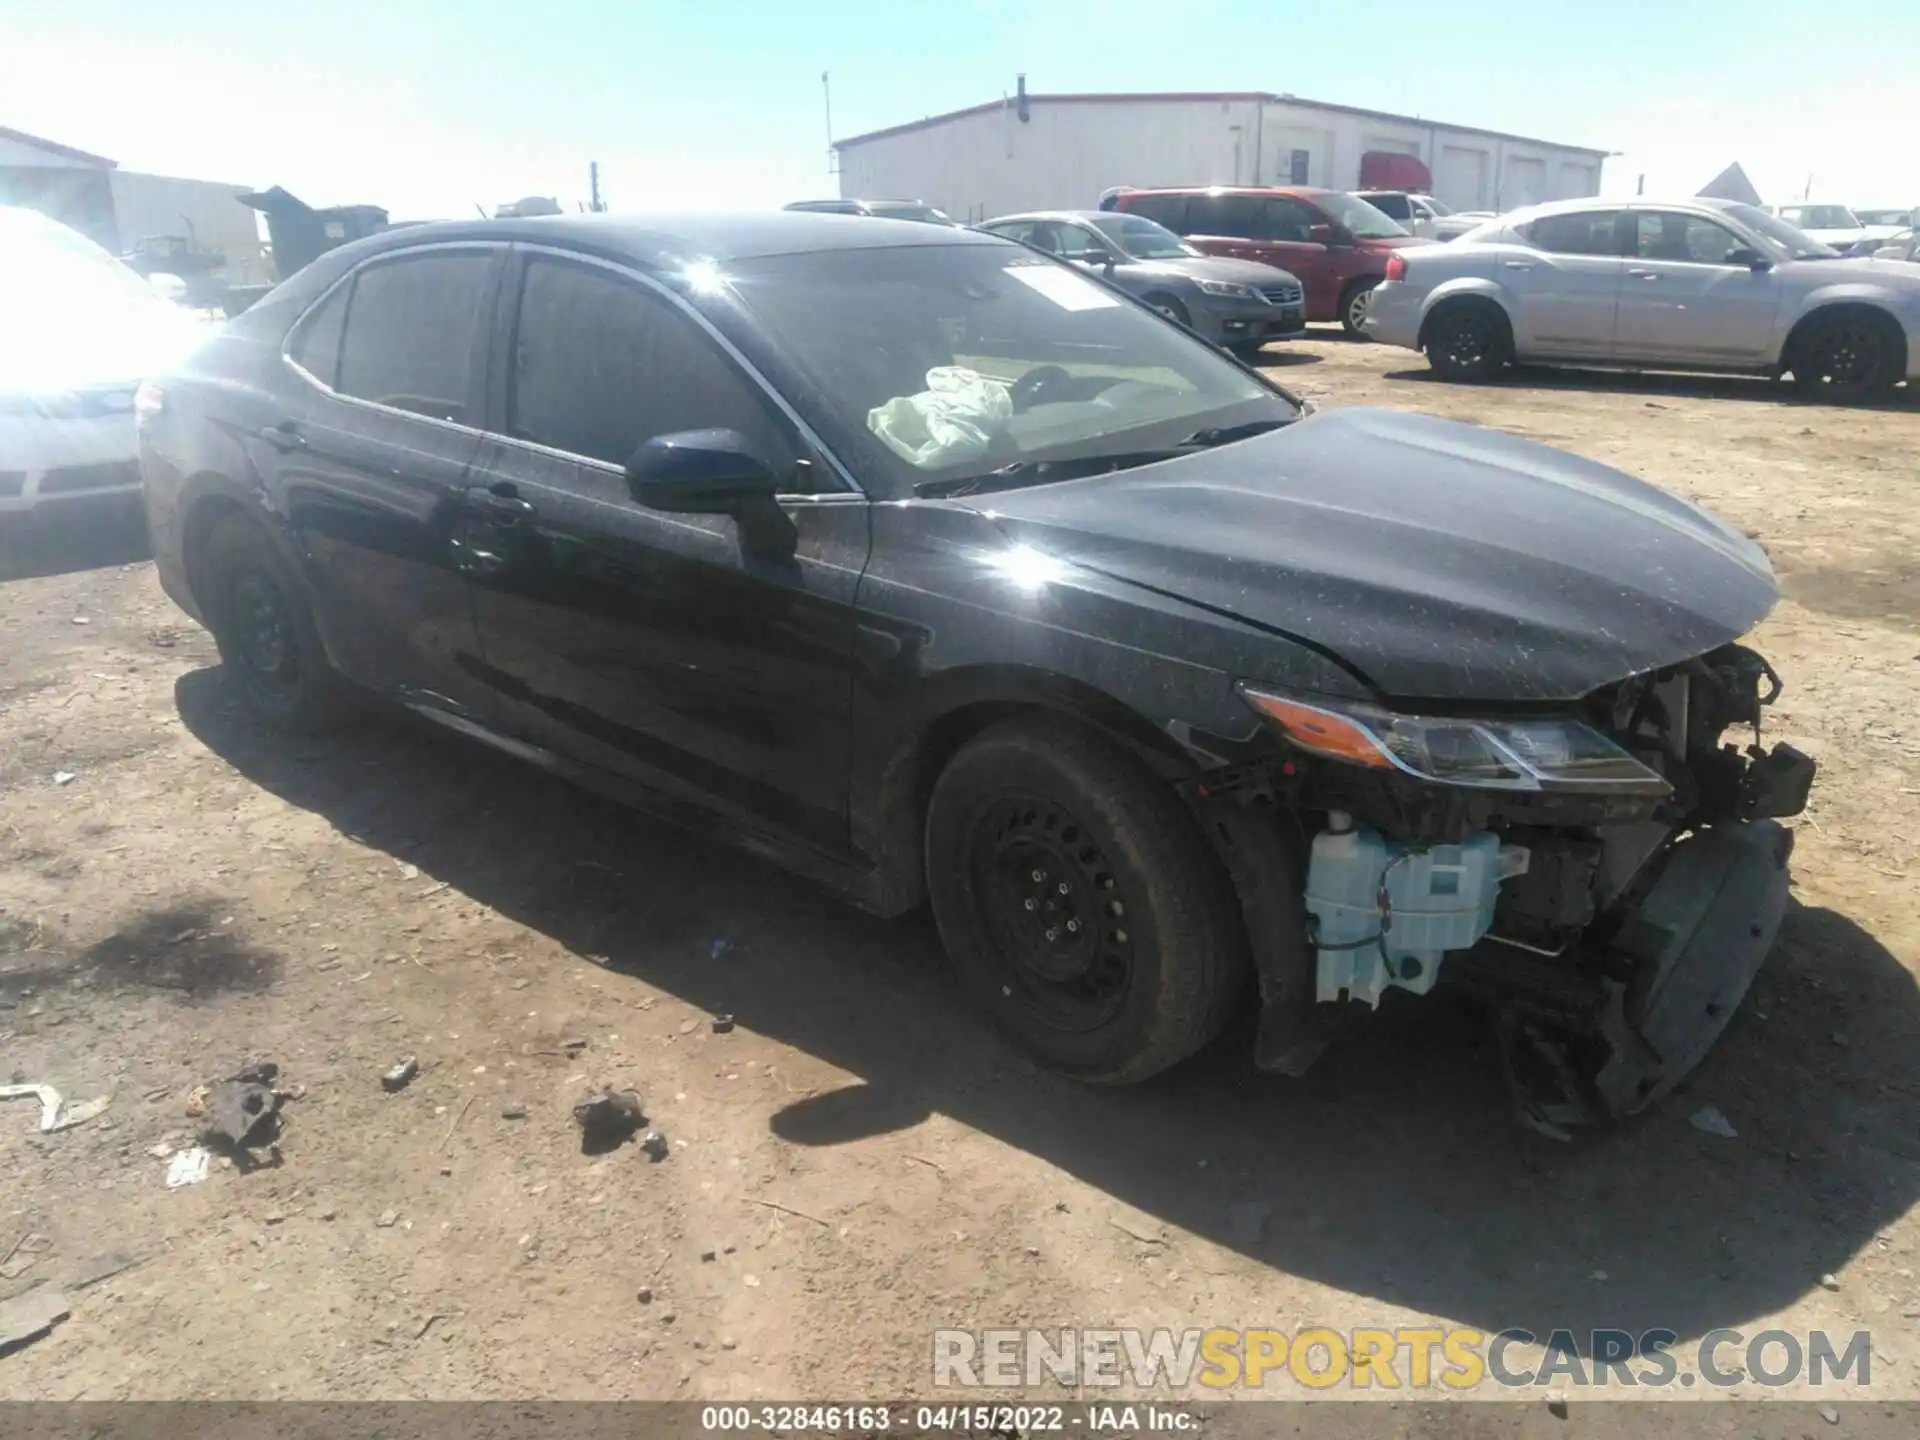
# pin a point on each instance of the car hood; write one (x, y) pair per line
(1213, 267)
(1438, 560)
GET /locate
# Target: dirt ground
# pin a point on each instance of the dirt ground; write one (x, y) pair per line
(859, 1161)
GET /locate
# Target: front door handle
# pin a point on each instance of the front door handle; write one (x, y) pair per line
(284, 436)
(500, 502)
(1518, 264)
(1644, 274)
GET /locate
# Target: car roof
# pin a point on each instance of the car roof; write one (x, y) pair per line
(1627, 202)
(1304, 192)
(655, 241)
(1084, 217)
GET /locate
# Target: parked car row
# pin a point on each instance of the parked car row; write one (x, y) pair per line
(1845, 230)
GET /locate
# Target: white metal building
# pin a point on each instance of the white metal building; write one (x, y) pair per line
(120, 208)
(1030, 152)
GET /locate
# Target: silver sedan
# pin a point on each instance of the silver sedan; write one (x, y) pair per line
(1690, 284)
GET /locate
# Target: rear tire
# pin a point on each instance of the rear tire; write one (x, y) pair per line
(1353, 307)
(269, 647)
(1849, 356)
(1127, 954)
(1468, 341)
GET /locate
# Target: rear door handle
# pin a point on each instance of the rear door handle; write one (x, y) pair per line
(1644, 274)
(500, 502)
(1518, 264)
(284, 436)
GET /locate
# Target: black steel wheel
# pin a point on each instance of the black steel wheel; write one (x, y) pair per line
(268, 645)
(1847, 356)
(1468, 341)
(1080, 902)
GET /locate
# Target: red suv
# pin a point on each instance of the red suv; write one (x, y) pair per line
(1335, 242)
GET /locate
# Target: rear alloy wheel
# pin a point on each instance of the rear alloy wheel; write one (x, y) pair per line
(1353, 308)
(1080, 903)
(268, 645)
(1845, 358)
(1467, 342)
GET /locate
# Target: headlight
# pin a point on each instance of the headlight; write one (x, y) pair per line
(1538, 754)
(1227, 290)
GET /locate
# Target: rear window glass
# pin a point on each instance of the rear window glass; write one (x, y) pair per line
(1585, 232)
(1167, 210)
(1231, 215)
(413, 332)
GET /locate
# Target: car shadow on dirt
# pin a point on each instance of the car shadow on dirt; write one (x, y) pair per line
(1658, 384)
(1393, 1171)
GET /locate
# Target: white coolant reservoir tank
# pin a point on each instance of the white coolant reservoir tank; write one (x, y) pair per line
(1385, 914)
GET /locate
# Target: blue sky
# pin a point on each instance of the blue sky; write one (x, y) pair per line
(429, 107)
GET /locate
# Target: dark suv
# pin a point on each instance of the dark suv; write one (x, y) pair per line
(1338, 245)
(939, 569)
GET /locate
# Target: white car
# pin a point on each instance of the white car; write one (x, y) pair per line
(1837, 226)
(1690, 284)
(1420, 214)
(1903, 246)
(79, 332)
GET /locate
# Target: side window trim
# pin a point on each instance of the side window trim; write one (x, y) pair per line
(505, 332)
(497, 249)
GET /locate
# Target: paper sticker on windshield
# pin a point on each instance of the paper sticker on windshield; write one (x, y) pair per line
(1066, 289)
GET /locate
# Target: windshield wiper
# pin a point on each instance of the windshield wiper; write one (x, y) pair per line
(1080, 466)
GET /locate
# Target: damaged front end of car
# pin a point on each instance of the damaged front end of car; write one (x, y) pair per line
(1607, 879)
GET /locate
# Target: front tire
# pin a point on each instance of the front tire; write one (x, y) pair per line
(1468, 341)
(1127, 953)
(268, 645)
(1168, 306)
(1847, 357)
(1353, 307)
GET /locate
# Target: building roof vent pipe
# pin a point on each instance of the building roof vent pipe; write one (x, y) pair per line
(1020, 99)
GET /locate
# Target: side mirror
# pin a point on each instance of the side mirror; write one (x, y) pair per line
(1750, 258)
(1320, 234)
(712, 472)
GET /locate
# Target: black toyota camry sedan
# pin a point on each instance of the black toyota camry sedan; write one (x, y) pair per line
(942, 571)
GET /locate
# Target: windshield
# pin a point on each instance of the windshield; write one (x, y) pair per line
(1142, 238)
(1790, 242)
(1360, 219)
(959, 360)
(1435, 206)
(1820, 217)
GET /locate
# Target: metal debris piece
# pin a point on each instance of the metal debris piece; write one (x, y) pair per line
(64, 777)
(403, 1071)
(188, 1167)
(243, 1112)
(51, 1115)
(1712, 1122)
(575, 1045)
(654, 1142)
(513, 1112)
(1829, 1282)
(608, 1118)
(1829, 1414)
(722, 1024)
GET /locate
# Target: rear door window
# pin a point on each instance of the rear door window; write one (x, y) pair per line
(602, 365)
(1584, 232)
(414, 331)
(1167, 210)
(1232, 216)
(315, 346)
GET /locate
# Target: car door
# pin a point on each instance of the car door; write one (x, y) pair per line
(1563, 288)
(653, 645)
(1687, 300)
(366, 454)
(1286, 227)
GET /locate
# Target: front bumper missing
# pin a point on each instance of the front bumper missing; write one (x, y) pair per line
(1581, 1052)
